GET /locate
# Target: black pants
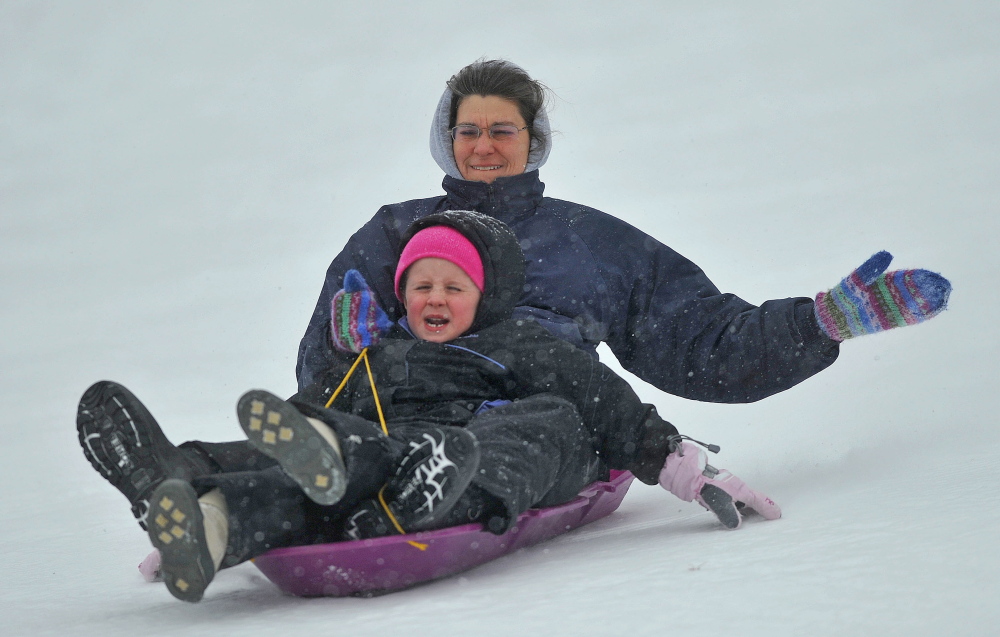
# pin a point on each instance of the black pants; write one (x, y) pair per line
(533, 452)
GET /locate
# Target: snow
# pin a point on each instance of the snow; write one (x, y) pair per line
(175, 177)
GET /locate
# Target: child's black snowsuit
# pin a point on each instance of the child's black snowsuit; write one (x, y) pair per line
(549, 418)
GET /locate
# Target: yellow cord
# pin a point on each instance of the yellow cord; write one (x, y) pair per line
(371, 381)
(363, 354)
(395, 522)
(378, 405)
(381, 419)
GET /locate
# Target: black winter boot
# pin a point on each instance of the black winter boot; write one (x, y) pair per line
(438, 466)
(431, 479)
(367, 521)
(123, 443)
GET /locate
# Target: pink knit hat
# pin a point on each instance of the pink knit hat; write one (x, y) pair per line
(446, 243)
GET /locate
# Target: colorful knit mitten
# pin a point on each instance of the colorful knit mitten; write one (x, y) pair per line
(356, 320)
(872, 300)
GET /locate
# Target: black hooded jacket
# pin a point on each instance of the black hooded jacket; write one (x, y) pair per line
(499, 359)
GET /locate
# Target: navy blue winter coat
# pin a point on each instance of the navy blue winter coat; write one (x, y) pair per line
(592, 277)
(499, 359)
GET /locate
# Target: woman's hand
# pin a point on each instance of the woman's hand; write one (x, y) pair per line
(871, 300)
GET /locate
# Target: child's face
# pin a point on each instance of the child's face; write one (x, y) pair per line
(440, 298)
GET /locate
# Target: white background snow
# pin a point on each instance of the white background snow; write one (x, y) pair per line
(176, 176)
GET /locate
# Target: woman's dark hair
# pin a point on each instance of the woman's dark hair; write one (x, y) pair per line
(502, 79)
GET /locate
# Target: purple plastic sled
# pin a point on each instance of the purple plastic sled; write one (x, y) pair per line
(387, 564)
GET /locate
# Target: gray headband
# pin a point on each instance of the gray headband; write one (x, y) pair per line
(441, 149)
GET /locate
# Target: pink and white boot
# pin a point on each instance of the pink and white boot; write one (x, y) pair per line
(688, 475)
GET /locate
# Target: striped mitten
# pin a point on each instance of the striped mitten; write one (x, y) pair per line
(356, 320)
(872, 300)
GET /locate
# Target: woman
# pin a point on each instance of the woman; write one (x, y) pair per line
(592, 277)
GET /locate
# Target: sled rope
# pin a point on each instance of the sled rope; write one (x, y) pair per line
(395, 522)
(381, 419)
(346, 378)
(371, 381)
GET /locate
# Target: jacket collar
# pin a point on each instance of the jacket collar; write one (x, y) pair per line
(507, 198)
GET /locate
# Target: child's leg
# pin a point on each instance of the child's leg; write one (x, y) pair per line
(190, 533)
(434, 470)
(308, 452)
(333, 456)
(238, 517)
(267, 510)
(535, 452)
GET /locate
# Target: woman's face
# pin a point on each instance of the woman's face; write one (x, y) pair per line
(440, 298)
(485, 159)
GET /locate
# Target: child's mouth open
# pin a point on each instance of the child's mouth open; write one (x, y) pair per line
(441, 299)
(436, 323)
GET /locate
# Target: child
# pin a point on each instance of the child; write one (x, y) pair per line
(484, 417)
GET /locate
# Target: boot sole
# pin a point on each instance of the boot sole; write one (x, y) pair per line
(275, 428)
(177, 530)
(124, 443)
(721, 504)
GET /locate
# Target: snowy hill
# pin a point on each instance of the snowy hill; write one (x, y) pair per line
(175, 178)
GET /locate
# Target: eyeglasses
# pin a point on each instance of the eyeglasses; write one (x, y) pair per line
(497, 132)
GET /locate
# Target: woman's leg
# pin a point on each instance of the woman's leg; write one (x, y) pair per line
(125, 444)
(433, 473)
(229, 457)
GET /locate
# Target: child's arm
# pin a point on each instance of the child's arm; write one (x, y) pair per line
(629, 435)
(356, 323)
(356, 319)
